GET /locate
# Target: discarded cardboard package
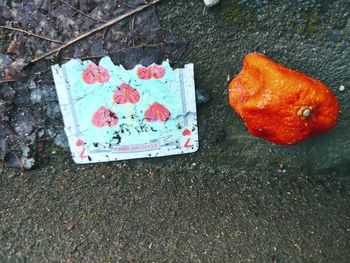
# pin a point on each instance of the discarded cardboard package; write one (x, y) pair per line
(111, 113)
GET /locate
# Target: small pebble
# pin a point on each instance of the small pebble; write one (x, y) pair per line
(41, 133)
(202, 97)
(342, 88)
(6, 92)
(51, 131)
(36, 96)
(53, 110)
(61, 140)
(31, 84)
(210, 3)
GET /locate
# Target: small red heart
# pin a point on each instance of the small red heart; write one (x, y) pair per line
(79, 142)
(186, 132)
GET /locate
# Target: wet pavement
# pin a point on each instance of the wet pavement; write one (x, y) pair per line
(238, 199)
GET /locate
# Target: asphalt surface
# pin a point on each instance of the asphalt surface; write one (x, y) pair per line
(238, 199)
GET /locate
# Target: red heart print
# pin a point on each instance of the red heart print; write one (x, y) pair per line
(157, 72)
(153, 71)
(104, 117)
(94, 73)
(157, 112)
(143, 73)
(186, 132)
(79, 143)
(125, 93)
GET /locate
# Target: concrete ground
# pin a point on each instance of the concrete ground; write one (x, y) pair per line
(238, 199)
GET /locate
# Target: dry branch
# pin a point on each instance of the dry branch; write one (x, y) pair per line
(88, 33)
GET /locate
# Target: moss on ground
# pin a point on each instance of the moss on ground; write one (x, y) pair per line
(308, 22)
(236, 13)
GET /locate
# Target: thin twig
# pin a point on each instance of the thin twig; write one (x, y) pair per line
(132, 29)
(82, 13)
(9, 80)
(138, 46)
(9, 127)
(43, 139)
(104, 34)
(21, 166)
(133, 23)
(30, 33)
(88, 33)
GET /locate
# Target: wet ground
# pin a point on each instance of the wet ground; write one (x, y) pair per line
(238, 199)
